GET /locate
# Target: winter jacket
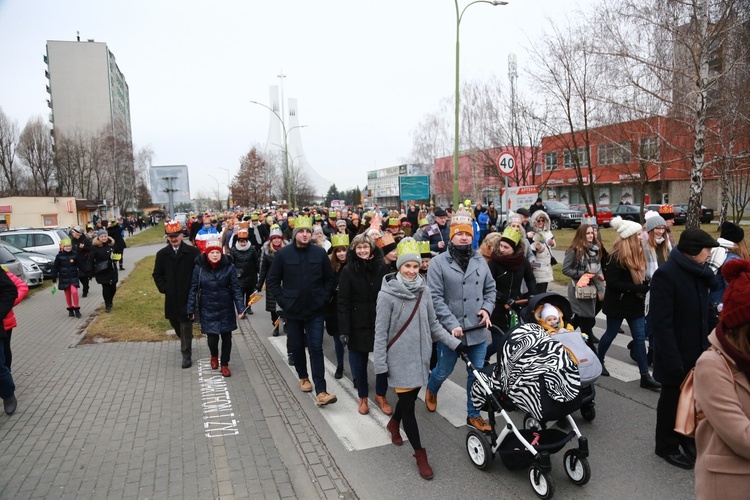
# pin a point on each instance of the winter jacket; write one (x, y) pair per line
(679, 316)
(458, 295)
(624, 299)
(331, 316)
(246, 263)
(541, 247)
(722, 468)
(266, 259)
(8, 296)
(508, 285)
(65, 269)
(443, 235)
(301, 281)
(173, 274)
(407, 362)
(114, 231)
(103, 253)
(575, 269)
(82, 246)
(220, 295)
(358, 292)
(9, 322)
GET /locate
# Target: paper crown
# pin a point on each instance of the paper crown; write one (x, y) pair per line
(385, 240)
(318, 217)
(173, 227)
(407, 246)
(393, 222)
(242, 234)
(512, 234)
(666, 209)
(269, 219)
(65, 242)
(275, 232)
(340, 240)
(591, 221)
(423, 222)
(303, 222)
(424, 249)
(243, 225)
(213, 245)
(462, 216)
(376, 222)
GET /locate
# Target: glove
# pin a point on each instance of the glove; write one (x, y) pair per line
(460, 349)
(344, 339)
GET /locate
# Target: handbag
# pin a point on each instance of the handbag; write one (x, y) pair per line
(688, 416)
(586, 292)
(395, 338)
(101, 267)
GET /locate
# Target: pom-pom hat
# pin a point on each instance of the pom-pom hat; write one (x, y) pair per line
(736, 307)
(732, 232)
(653, 220)
(625, 228)
(408, 251)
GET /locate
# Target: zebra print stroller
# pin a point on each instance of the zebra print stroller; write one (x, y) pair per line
(536, 375)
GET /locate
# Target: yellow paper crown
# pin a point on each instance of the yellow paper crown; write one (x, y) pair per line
(303, 222)
(392, 222)
(340, 240)
(407, 246)
(423, 222)
(424, 248)
(512, 234)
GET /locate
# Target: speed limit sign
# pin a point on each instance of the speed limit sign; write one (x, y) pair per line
(506, 163)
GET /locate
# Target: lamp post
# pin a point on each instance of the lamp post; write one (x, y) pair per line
(218, 190)
(459, 16)
(286, 150)
(229, 186)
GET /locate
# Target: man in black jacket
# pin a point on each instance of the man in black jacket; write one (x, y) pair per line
(8, 294)
(173, 273)
(301, 282)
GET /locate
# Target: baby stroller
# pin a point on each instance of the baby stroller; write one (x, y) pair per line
(589, 366)
(536, 375)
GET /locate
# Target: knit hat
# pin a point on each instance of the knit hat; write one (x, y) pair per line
(300, 223)
(666, 211)
(736, 308)
(461, 222)
(341, 222)
(653, 221)
(424, 249)
(212, 245)
(101, 232)
(275, 233)
(512, 237)
(732, 232)
(625, 228)
(692, 241)
(386, 243)
(408, 251)
(549, 310)
(515, 218)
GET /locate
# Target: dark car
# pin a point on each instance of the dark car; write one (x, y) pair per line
(706, 214)
(603, 213)
(628, 212)
(680, 215)
(561, 215)
(42, 261)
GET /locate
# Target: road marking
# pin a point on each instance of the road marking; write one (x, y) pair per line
(218, 414)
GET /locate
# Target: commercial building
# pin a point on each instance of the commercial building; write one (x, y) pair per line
(384, 187)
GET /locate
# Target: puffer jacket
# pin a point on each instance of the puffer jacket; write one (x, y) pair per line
(266, 259)
(66, 268)
(220, 295)
(103, 253)
(246, 263)
(541, 247)
(9, 321)
(82, 246)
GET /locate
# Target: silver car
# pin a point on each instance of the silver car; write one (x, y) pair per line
(9, 262)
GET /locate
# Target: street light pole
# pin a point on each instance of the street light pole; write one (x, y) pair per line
(229, 188)
(459, 16)
(286, 150)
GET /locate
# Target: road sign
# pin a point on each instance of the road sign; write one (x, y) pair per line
(506, 163)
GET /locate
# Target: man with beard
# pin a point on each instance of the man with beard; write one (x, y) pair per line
(301, 282)
(463, 293)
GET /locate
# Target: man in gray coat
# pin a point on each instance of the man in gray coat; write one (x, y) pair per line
(463, 293)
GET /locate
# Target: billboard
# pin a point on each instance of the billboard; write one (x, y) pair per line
(160, 178)
(415, 187)
(520, 196)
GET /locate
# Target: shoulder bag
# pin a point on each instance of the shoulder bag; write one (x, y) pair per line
(102, 266)
(395, 338)
(197, 312)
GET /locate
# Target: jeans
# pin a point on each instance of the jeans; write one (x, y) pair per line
(447, 362)
(296, 330)
(339, 350)
(358, 364)
(637, 331)
(7, 387)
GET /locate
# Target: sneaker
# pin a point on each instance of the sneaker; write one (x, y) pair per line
(305, 385)
(339, 372)
(478, 423)
(430, 400)
(325, 399)
(225, 371)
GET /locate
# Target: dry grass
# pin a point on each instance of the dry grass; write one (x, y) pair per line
(153, 234)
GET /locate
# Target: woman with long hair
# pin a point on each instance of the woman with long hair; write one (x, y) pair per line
(338, 251)
(583, 257)
(656, 248)
(625, 299)
(268, 252)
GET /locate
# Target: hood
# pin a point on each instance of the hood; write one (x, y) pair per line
(534, 220)
(394, 287)
(97, 243)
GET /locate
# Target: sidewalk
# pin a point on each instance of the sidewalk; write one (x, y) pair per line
(123, 420)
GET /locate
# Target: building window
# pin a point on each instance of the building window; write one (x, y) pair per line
(550, 161)
(649, 149)
(568, 158)
(614, 153)
(49, 220)
(538, 167)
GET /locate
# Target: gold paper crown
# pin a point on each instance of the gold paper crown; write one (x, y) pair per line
(242, 233)
(340, 240)
(512, 234)
(407, 246)
(462, 217)
(393, 222)
(424, 222)
(303, 222)
(666, 209)
(376, 221)
(424, 248)
(385, 239)
(243, 224)
(172, 227)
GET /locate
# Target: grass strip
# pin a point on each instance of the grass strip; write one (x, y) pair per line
(154, 234)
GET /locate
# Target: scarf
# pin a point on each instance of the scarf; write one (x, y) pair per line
(414, 286)
(512, 262)
(742, 359)
(243, 249)
(702, 271)
(461, 253)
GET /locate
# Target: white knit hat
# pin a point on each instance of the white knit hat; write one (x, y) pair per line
(549, 310)
(625, 228)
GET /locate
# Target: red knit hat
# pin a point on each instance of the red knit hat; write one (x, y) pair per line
(736, 307)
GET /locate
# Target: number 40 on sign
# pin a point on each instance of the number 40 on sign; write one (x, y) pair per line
(506, 163)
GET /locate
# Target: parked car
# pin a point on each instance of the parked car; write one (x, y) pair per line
(628, 212)
(706, 214)
(11, 263)
(30, 260)
(680, 215)
(603, 213)
(46, 241)
(561, 215)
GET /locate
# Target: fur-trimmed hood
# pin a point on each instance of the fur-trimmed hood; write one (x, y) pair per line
(363, 265)
(97, 243)
(534, 220)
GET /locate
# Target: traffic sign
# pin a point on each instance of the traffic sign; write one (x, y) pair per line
(506, 163)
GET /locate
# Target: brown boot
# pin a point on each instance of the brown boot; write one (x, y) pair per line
(424, 467)
(384, 406)
(430, 400)
(363, 409)
(395, 434)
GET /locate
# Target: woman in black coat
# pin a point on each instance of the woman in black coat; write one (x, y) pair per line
(66, 267)
(103, 268)
(274, 244)
(82, 246)
(359, 286)
(338, 261)
(246, 263)
(216, 279)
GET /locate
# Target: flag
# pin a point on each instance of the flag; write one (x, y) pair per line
(433, 230)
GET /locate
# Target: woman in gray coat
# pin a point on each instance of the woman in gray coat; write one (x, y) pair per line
(405, 327)
(584, 256)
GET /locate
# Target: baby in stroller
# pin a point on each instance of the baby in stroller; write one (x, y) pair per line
(550, 317)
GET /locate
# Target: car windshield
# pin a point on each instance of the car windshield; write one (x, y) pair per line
(556, 204)
(5, 256)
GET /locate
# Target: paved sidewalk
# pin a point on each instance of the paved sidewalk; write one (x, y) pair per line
(123, 420)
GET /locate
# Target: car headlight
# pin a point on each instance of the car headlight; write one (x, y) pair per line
(27, 268)
(40, 260)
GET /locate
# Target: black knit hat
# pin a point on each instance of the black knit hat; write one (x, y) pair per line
(732, 232)
(692, 241)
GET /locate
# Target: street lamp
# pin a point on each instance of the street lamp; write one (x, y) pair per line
(459, 16)
(218, 190)
(229, 188)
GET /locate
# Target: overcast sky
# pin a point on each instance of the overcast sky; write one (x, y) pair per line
(364, 71)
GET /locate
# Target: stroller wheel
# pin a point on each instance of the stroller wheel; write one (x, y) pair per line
(588, 412)
(478, 447)
(577, 468)
(541, 482)
(530, 423)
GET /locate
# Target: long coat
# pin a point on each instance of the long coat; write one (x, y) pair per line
(246, 263)
(220, 295)
(65, 269)
(115, 232)
(407, 362)
(541, 247)
(173, 274)
(624, 299)
(575, 268)
(358, 292)
(679, 315)
(458, 295)
(82, 246)
(722, 468)
(266, 259)
(103, 253)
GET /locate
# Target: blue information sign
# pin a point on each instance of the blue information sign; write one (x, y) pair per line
(414, 187)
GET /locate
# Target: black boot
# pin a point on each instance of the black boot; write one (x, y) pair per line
(648, 382)
(70, 312)
(77, 312)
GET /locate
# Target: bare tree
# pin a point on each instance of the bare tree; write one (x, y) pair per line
(8, 146)
(252, 184)
(36, 151)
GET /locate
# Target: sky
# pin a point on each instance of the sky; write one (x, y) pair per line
(364, 72)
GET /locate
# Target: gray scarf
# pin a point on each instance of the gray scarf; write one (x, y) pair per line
(414, 286)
